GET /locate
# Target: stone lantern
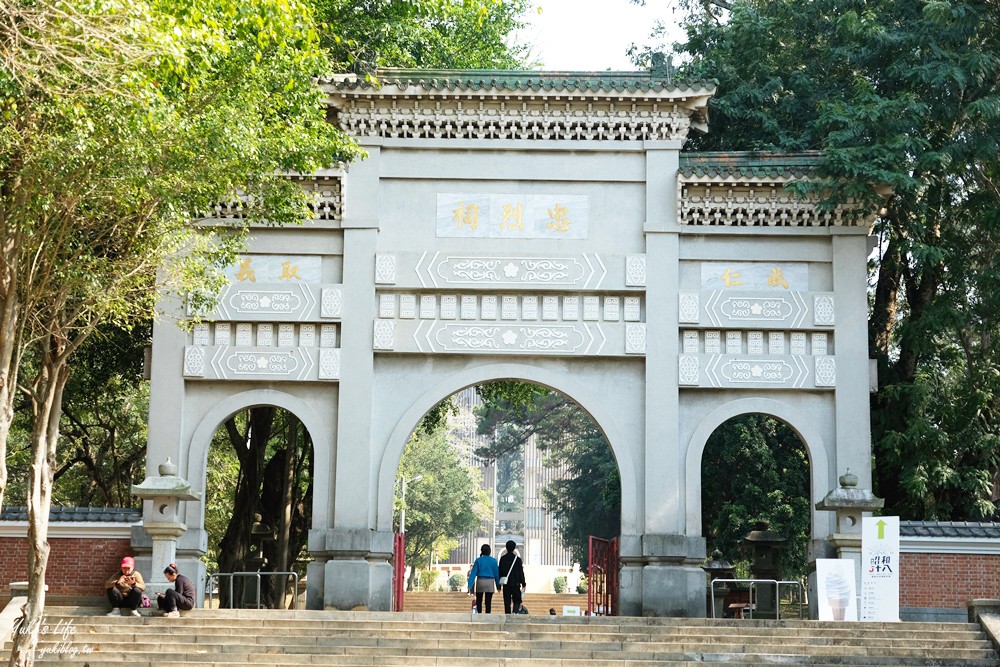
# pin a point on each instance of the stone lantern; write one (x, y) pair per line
(717, 568)
(165, 526)
(765, 547)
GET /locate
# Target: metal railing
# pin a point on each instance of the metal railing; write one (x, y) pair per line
(216, 576)
(753, 583)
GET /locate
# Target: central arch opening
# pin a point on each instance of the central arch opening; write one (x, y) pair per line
(539, 470)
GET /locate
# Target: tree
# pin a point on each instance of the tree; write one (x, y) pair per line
(905, 95)
(755, 468)
(588, 500)
(446, 502)
(123, 119)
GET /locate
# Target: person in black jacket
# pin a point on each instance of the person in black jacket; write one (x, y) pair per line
(512, 568)
(180, 597)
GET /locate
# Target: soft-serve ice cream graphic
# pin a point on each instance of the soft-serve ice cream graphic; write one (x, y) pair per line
(838, 594)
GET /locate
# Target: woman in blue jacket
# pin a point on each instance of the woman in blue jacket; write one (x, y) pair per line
(484, 579)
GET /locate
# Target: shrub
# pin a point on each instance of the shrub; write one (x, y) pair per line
(559, 584)
(427, 579)
(582, 586)
(456, 582)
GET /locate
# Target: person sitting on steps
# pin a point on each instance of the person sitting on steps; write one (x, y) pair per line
(176, 599)
(125, 589)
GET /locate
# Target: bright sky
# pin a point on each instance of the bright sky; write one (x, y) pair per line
(593, 35)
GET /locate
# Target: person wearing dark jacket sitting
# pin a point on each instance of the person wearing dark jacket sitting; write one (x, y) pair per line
(512, 578)
(176, 599)
(124, 589)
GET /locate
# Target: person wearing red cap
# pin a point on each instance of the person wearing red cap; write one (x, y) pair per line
(125, 589)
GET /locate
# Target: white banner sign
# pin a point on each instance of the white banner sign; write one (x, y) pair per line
(880, 568)
(835, 589)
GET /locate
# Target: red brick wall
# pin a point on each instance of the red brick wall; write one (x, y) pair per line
(77, 566)
(947, 580)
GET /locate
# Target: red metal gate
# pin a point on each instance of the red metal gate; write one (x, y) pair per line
(602, 577)
(398, 571)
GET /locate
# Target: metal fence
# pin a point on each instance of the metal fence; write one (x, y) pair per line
(213, 580)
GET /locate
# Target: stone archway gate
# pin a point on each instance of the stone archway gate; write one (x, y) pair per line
(541, 226)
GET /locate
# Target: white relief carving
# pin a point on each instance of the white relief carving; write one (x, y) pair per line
(244, 334)
(591, 308)
(755, 342)
(756, 308)
(776, 343)
(331, 302)
(200, 334)
(544, 338)
(286, 335)
(477, 270)
(635, 338)
(509, 337)
(508, 308)
(385, 335)
(734, 342)
(756, 204)
(571, 308)
(256, 302)
(819, 344)
(385, 269)
(823, 310)
(223, 334)
(476, 337)
(265, 335)
(612, 309)
(387, 306)
(689, 307)
(690, 342)
(826, 371)
(713, 342)
(194, 361)
(688, 370)
(329, 364)
(428, 307)
(468, 308)
(550, 308)
(545, 270)
(633, 309)
(489, 311)
(529, 308)
(269, 364)
(307, 335)
(407, 306)
(635, 270)
(798, 347)
(328, 335)
(757, 371)
(449, 307)
(511, 270)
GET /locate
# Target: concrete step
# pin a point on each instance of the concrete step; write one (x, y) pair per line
(286, 638)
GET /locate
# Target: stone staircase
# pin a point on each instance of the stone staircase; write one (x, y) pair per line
(224, 638)
(461, 602)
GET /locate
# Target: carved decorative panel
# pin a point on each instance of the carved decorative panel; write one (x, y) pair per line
(689, 307)
(199, 334)
(734, 342)
(449, 307)
(489, 310)
(332, 302)
(223, 333)
(329, 364)
(286, 335)
(468, 308)
(534, 339)
(529, 308)
(688, 370)
(428, 307)
(633, 309)
(244, 334)
(635, 270)
(826, 371)
(690, 342)
(713, 342)
(550, 308)
(798, 346)
(513, 216)
(583, 271)
(776, 343)
(384, 337)
(194, 361)
(823, 310)
(328, 336)
(591, 308)
(571, 308)
(385, 269)
(612, 309)
(508, 308)
(635, 338)
(407, 306)
(307, 335)
(387, 305)
(755, 342)
(265, 335)
(819, 344)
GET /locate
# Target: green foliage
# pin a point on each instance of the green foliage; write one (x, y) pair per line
(755, 468)
(583, 586)
(456, 582)
(445, 503)
(905, 95)
(370, 34)
(428, 580)
(559, 584)
(587, 501)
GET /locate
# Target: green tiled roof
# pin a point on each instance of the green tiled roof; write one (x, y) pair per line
(525, 80)
(748, 165)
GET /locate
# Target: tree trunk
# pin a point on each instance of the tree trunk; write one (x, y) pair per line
(9, 340)
(46, 397)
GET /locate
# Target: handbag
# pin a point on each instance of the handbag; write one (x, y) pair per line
(146, 601)
(503, 580)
